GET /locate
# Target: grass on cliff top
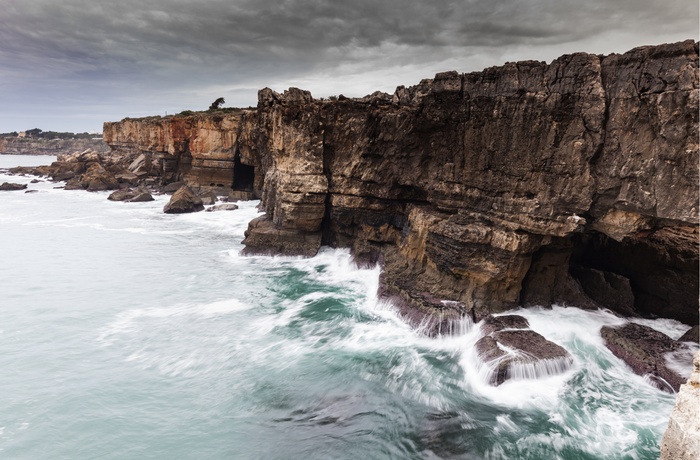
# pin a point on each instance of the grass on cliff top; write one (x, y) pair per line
(191, 113)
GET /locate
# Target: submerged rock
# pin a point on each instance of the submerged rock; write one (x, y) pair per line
(512, 351)
(644, 350)
(223, 207)
(11, 186)
(183, 201)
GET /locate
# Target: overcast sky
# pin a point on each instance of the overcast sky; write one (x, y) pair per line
(69, 65)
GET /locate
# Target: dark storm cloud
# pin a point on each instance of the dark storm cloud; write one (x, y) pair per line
(157, 49)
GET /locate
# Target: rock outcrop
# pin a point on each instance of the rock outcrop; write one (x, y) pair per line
(183, 201)
(11, 186)
(681, 440)
(644, 350)
(510, 350)
(31, 146)
(531, 183)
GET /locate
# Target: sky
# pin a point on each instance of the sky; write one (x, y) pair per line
(69, 65)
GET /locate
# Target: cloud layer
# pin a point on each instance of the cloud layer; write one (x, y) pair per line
(72, 64)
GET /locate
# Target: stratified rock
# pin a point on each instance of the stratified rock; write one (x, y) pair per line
(518, 353)
(10, 186)
(681, 440)
(240, 195)
(223, 207)
(183, 201)
(267, 239)
(573, 182)
(691, 335)
(643, 349)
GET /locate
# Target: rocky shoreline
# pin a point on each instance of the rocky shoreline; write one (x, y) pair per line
(569, 183)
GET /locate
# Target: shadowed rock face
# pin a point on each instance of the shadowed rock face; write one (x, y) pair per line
(486, 189)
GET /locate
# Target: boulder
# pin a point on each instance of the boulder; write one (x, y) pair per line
(183, 201)
(10, 186)
(142, 196)
(643, 349)
(223, 207)
(512, 351)
(132, 196)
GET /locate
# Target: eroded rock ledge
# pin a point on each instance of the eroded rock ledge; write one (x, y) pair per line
(531, 183)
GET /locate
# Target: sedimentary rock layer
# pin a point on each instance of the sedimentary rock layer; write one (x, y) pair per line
(29, 146)
(530, 183)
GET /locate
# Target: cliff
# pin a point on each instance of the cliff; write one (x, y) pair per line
(681, 440)
(531, 183)
(29, 146)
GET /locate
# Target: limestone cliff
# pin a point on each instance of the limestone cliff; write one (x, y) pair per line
(31, 146)
(681, 440)
(530, 183)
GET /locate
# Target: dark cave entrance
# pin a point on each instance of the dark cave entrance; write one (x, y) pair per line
(646, 275)
(243, 175)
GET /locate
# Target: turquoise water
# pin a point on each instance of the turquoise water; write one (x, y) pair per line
(128, 333)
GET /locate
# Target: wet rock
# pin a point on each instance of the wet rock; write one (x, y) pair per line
(132, 196)
(681, 440)
(35, 181)
(223, 207)
(31, 191)
(691, 335)
(643, 349)
(529, 355)
(512, 351)
(497, 323)
(11, 186)
(183, 201)
(262, 237)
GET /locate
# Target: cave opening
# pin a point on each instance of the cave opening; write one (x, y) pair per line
(243, 175)
(652, 274)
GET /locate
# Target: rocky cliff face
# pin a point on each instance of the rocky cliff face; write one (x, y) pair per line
(531, 183)
(29, 146)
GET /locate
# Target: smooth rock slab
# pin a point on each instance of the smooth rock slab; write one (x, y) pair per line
(643, 348)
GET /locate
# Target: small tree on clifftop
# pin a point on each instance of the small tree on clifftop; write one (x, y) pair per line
(216, 105)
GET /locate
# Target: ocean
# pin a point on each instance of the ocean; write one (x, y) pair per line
(128, 333)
